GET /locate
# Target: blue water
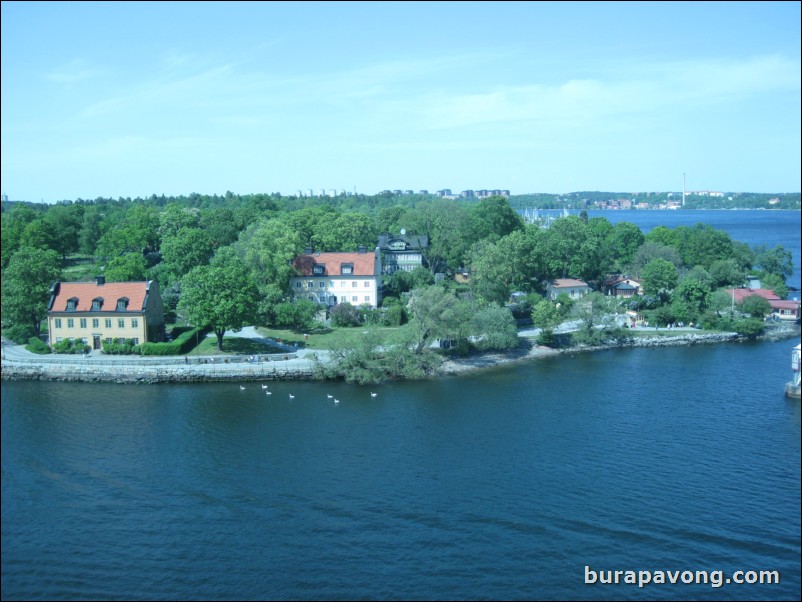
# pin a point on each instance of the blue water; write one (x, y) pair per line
(502, 484)
(499, 485)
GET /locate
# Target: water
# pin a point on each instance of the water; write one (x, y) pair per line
(502, 484)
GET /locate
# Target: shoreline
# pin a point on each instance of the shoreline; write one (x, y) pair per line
(137, 372)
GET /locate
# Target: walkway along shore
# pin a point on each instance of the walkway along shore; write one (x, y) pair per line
(18, 364)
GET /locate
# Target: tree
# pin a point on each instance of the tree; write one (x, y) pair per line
(775, 261)
(126, 268)
(185, 249)
(494, 327)
(219, 297)
(756, 306)
(344, 315)
(432, 315)
(298, 315)
(492, 218)
(775, 283)
(649, 251)
(444, 222)
(659, 278)
(624, 241)
(26, 286)
(694, 294)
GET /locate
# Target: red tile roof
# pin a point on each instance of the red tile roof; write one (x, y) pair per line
(567, 282)
(364, 263)
(110, 292)
(742, 293)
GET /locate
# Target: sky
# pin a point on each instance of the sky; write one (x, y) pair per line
(131, 99)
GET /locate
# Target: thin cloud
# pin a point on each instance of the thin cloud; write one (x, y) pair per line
(77, 70)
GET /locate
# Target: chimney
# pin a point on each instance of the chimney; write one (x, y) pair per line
(362, 249)
(101, 280)
(308, 251)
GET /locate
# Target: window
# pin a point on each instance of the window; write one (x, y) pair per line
(70, 323)
(310, 284)
(367, 283)
(354, 298)
(347, 268)
(72, 304)
(84, 340)
(319, 269)
(122, 304)
(58, 339)
(120, 323)
(83, 322)
(135, 340)
(95, 323)
(322, 285)
(108, 324)
(97, 304)
(367, 298)
(298, 284)
(58, 322)
(353, 284)
(108, 340)
(135, 322)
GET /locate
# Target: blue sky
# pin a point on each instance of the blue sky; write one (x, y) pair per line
(131, 99)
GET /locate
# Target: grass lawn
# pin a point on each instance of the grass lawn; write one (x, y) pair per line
(233, 346)
(322, 339)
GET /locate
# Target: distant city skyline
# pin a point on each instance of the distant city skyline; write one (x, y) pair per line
(132, 99)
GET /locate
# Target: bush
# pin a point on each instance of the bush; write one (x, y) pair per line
(19, 333)
(37, 345)
(344, 315)
(71, 347)
(126, 348)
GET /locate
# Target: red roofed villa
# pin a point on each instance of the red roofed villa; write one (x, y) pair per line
(783, 309)
(332, 278)
(105, 312)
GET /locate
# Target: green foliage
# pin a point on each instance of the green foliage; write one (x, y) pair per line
(344, 315)
(366, 360)
(183, 344)
(26, 287)
(775, 261)
(126, 348)
(750, 327)
(756, 306)
(38, 346)
(298, 315)
(19, 333)
(129, 267)
(221, 297)
(73, 347)
(775, 283)
(432, 315)
(494, 328)
(546, 315)
(659, 278)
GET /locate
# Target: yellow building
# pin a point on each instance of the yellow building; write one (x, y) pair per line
(97, 312)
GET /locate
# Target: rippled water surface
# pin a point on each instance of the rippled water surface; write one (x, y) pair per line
(503, 484)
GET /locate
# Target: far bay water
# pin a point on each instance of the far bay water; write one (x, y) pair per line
(500, 484)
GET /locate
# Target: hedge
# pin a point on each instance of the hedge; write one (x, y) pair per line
(182, 345)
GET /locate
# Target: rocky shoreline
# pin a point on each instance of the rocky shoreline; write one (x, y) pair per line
(528, 351)
(140, 373)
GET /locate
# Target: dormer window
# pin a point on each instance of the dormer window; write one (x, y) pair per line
(97, 304)
(122, 304)
(319, 269)
(347, 268)
(72, 304)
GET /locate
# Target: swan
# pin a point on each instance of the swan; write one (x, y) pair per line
(241, 388)
(268, 392)
(373, 394)
(292, 396)
(264, 386)
(336, 401)
(329, 396)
